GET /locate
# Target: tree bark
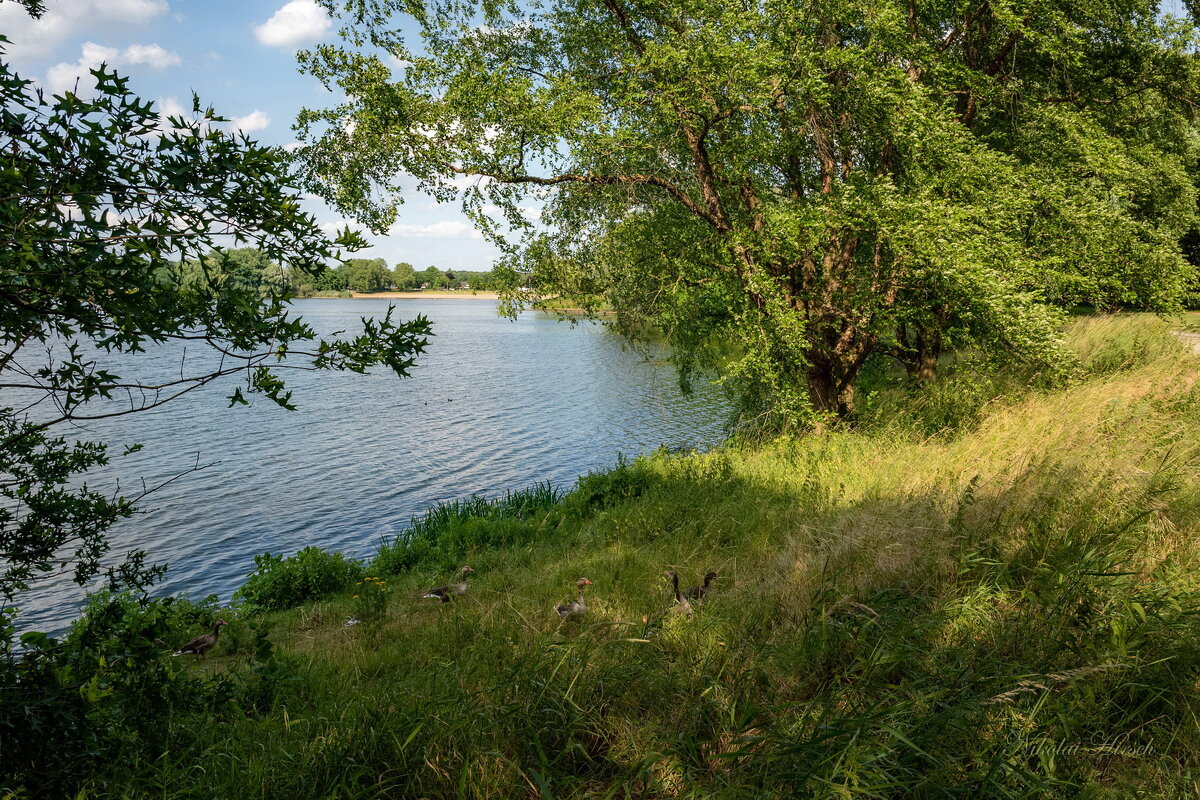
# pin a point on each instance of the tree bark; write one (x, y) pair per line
(924, 367)
(920, 354)
(830, 378)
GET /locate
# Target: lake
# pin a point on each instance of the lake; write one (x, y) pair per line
(494, 404)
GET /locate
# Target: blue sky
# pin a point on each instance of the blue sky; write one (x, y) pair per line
(240, 58)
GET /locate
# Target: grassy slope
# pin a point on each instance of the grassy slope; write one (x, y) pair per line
(1006, 613)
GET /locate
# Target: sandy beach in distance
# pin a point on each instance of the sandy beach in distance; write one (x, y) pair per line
(463, 295)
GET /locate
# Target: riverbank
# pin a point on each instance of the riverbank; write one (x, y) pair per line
(426, 295)
(993, 594)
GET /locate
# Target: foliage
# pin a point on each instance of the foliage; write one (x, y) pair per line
(599, 490)
(404, 276)
(367, 274)
(449, 531)
(102, 692)
(812, 186)
(371, 275)
(112, 215)
(327, 280)
(279, 582)
(1008, 613)
(478, 281)
(247, 269)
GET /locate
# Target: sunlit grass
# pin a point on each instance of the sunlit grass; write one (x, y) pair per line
(1006, 612)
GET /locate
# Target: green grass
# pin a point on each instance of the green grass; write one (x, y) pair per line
(1006, 608)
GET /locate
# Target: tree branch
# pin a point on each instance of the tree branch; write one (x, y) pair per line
(602, 180)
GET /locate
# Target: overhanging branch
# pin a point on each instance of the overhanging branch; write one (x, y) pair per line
(598, 180)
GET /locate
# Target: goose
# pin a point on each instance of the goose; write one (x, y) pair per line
(577, 608)
(451, 590)
(697, 593)
(202, 643)
(681, 606)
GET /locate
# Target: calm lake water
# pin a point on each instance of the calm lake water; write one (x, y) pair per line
(494, 404)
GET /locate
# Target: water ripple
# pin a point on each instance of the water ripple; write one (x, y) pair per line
(494, 405)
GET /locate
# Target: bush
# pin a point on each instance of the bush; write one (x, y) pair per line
(599, 490)
(450, 530)
(279, 582)
(371, 598)
(972, 384)
(101, 694)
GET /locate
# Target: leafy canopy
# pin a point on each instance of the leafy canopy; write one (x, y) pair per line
(114, 222)
(817, 184)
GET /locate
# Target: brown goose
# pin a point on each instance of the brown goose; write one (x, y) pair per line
(577, 608)
(202, 643)
(451, 590)
(681, 606)
(697, 593)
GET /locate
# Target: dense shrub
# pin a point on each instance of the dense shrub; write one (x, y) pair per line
(279, 582)
(972, 384)
(101, 693)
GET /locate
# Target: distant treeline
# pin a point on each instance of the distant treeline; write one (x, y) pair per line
(249, 266)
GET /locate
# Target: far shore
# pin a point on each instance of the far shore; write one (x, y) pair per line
(463, 295)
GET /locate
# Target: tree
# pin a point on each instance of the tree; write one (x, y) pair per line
(434, 277)
(367, 274)
(404, 276)
(331, 280)
(817, 184)
(111, 217)
(247, 268)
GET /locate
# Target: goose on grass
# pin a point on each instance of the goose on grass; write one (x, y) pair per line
(202, 643)
(697, 593)
(451, 590)
(681, 604)
(577, 608)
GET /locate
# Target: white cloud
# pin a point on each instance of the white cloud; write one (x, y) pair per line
(530, 213)
(63, 77)
(151, 55)
(297, 22)
(396, 63)
(254, 121)
(171, 107)
(446, 229)
(39, 38)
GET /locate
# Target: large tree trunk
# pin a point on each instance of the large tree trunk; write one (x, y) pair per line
(831, 384)
(922, 366)
(919, 352)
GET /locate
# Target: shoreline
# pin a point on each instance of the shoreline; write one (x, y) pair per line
(434, 295)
